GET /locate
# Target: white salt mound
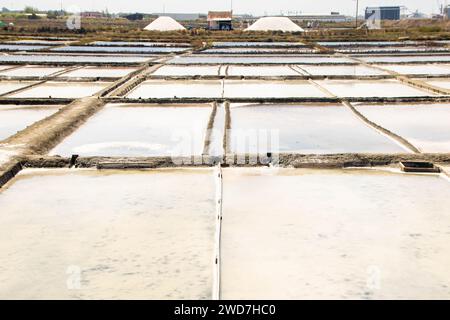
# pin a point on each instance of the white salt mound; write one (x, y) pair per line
(164, 24)
(275, 24)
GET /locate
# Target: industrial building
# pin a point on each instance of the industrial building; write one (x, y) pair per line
(385, 13)
(220, 20)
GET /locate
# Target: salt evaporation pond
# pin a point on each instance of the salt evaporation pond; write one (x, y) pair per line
(86, 234)
(426, 126)
(72, 59)
(31, 71)
(271, 89)
(405, 59)
(366, 43)
(307, 129)
(187, 71)
(21, 47)
(355, 70)
(440, 83)
(258, 51)
(15, 118)
(144, 130)
(116, 49)
(419, 69)
(94, 72)
(371, 89)
(138, 44)
(262, 71)
(257, 44)
(254, 59)
(177, 89)
(62, 90)
(8, 86)
(334, 234)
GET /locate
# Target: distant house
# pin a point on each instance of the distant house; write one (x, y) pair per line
(220, 20)
(92, 14)
(384, 13)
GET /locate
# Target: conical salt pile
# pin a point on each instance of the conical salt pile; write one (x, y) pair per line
(164, 24)
(275, 24)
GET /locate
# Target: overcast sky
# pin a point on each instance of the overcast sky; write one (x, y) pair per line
(258, 7)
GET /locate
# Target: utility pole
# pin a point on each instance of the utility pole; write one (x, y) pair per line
(357, 11)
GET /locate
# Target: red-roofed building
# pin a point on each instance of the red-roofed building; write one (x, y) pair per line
(220, 20)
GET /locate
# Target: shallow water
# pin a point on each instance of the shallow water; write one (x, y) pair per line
(365, 43)
(262, 71)
(62, 90)
(108, 235)
(425, 126)
(53, 58)
(187, 71)
(342, 70)
(334, 234)
(270, 89)
(440, 83)
(16, 118)
(8, 86)
(255, 50)
(256, 44)
(419, 69)
(20, 47)
(399, 59)
(203, 59)
(113, 49)
(127, 130)
(369, 89)
(31, 71)
(179, 89)
(310, 129)
(137, 44)
(93, 72)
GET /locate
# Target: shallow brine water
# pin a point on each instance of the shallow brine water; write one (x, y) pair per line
(21, 47)
(369, 89)
(177, 89)
(426, 126)
(127, 130)
(53, 58)
(138, 44)
(257, 44)
(16, 118)
(342, 70)
(255, 50)
(405, 59)
(419, 69)
(113, 49)
(313, 129)
(334, 234)
(271, 89)
(187, 71)
(440, 83)
(31, 71)
(201, 59)
(62, 90)
(262, 71)
(8, 86)
(93, 72)
(107, 235)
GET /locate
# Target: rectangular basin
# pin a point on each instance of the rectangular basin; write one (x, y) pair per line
(306, 129)
(334, 234)
(87, 234)
(141, 130)
(177, 89)
(71, 90)
(426, 126)
(15, 118)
